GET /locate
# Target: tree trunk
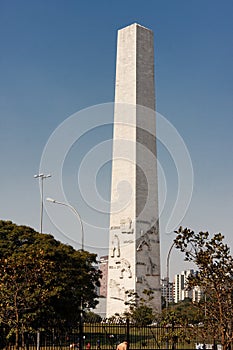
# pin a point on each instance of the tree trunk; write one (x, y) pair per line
(17, 338)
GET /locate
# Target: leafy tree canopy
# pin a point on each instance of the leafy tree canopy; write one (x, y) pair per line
(139, 311)
(186, 312)
(43, 282)
(215, 278)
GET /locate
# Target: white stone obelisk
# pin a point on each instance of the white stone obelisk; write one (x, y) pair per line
(134, 249)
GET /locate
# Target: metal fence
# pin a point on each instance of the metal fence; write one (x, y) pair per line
(106, 336)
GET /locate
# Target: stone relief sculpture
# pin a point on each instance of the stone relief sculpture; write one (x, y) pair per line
(143, 280)
(126, 226)
(115, 247)
(154, 230)
(125, 268)
(144, 240)
(116, 291)
(150, 266)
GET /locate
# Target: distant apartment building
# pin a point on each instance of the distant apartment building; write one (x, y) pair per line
(181, 291)
(197, 294)
(104, 280)
(180, 286)
(167, 290)
(100, 308)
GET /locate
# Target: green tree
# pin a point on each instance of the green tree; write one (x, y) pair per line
(43, 282)
(186, 312)
(175, 330)
(181, 321)
(215, 278)
(91, 317)
(21, 294)
(139, 311)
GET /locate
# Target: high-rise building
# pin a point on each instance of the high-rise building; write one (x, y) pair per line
(167, 290)
(181, 291)
(197, 294)
(134, 248)
(180, 286)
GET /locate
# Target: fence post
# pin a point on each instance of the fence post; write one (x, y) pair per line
(81, 333)
(173, 336)
(38, 340)
(127, 332)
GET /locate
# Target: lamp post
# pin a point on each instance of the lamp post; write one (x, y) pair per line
(82, 245)
(75, 212)
(41, 178)
(168, 262)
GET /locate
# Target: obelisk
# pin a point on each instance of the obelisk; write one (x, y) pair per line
(134, 249)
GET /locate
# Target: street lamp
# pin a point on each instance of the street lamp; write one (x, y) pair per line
(168, 262)
(75, 212)
(81, 301)
(41, 177)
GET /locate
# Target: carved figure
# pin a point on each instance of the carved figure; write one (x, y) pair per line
(116, 291)
(125, 267)
(150, 266)
(126, 226)
(115, 246)
(144, 240)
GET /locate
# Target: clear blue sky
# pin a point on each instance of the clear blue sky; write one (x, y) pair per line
(58, 57)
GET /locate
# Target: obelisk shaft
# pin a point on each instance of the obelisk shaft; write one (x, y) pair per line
(134, 252)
